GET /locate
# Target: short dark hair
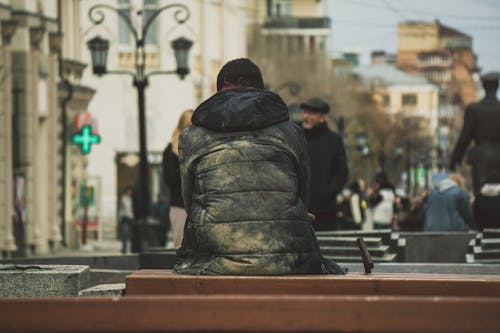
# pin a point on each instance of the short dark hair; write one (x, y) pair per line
(241, 72)
(490, 80)
(490, 85)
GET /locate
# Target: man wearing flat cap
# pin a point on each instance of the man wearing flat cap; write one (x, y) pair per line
(481, 124)
(327, 161)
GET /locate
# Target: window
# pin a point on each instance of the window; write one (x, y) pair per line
(123, 29)
(386, 100)
(125, 9)
(151, 37)
(279, 7)
(409, 99)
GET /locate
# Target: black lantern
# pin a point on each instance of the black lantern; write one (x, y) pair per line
(99, 50)
(181, 48)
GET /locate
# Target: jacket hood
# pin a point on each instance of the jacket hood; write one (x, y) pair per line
(240, 109)
(445, 185)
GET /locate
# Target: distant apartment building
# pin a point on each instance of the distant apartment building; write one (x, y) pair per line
(382, 57)
(399, 93)
(444, 56)
(286, 26)
(441, 54)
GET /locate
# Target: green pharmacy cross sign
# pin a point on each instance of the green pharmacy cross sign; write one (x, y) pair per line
(85, 138)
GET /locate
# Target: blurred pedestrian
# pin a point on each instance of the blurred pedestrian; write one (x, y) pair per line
(328, 164)
(481, 124)
(382, 199)
(161, 211)
(414, 218)
(352, 208)
(126, 215)
(172, 177)
(358, 202)
(448, 207)
(487, 202)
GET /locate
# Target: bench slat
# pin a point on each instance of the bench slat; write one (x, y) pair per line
(156, 282)
(250, 313)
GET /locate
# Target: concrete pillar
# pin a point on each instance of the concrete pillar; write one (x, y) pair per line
(26, 72)
(54, 141)
(7, 241)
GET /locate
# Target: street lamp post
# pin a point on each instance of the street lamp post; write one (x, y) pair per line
(99, 47)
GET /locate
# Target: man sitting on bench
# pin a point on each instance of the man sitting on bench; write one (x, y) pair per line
(245, 173)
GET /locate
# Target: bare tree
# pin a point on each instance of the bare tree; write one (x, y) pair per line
(349, 100)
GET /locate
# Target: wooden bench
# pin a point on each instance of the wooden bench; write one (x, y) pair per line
(163, 282)
(256, 313)
(159, 301)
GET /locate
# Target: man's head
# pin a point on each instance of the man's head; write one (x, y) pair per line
(314, 112)
(490, 81)
(240, 72)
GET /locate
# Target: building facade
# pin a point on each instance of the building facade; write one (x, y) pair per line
(35, 59)
(285, 26)
(444, 56)
(441, 54)
(402, 94)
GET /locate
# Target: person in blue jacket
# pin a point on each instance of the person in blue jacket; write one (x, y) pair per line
(448, 206)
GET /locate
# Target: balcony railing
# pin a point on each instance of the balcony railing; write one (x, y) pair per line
(289, 22)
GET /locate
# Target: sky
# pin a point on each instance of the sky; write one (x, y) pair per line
(367, 25)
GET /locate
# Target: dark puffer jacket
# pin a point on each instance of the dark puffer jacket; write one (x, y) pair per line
(244, 172)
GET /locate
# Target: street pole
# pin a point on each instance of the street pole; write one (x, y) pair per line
(143, 151)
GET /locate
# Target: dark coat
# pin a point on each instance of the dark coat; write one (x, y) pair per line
(328, 168)
(245, 173)
(487, 208)
(481, 124)
(172, 176)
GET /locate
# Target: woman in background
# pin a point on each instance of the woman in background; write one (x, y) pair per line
(126, 215)
(382, 199)
(171, 174)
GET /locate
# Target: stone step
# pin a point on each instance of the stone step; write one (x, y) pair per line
(491, 243)
(42, 280)
(471, 259)
(379, 251)
(109, 289)
(480, 253)
(389, 257)
(348, 241)
(384, 234)
(491, 233)
(157, 259)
